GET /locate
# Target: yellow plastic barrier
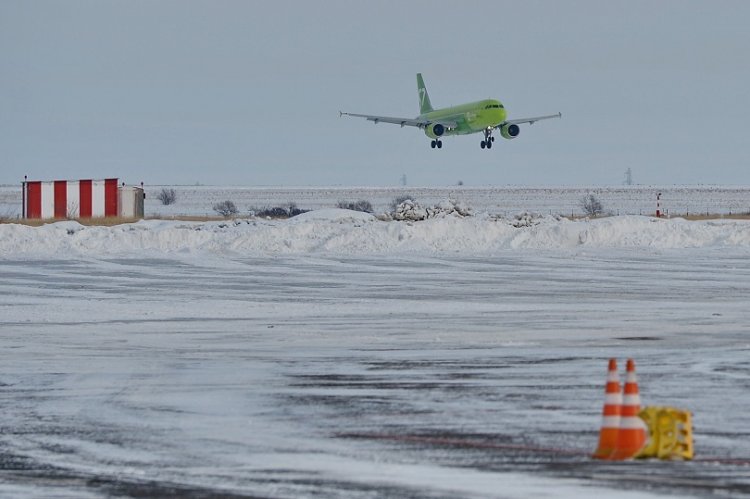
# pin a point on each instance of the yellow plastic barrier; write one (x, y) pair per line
(670, 433)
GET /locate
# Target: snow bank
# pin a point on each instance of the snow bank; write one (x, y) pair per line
(412, 211)
(348, 232)
(333, 215)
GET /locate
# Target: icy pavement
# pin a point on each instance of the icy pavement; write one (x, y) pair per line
(404, 374)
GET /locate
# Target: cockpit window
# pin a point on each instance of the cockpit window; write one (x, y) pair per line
(494, 106)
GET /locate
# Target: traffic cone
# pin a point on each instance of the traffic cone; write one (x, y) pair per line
(610, 414)
(633, 431)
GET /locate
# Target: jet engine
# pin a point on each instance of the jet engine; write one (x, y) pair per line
(434, 130)
(510, 131)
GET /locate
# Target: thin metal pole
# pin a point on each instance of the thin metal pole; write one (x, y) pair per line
(23, 197)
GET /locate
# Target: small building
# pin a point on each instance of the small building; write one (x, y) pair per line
(130, 201)
(74, 199)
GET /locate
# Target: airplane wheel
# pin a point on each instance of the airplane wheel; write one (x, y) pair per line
(493, 139)
(440, 144)
(432, 144)
(483, 144)
(489, 145)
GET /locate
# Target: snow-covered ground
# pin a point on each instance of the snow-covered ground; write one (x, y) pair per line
(353, 233)
(336, 355)
(508, 200)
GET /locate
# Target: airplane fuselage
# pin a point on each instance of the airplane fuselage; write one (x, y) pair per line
(474, 117)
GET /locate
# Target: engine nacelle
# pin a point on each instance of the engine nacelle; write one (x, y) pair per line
(434, 130)
(510, 131)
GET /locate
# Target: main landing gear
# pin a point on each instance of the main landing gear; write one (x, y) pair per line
(436, 143)
(488, 139)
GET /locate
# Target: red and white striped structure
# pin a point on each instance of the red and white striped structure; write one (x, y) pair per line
(71, 199)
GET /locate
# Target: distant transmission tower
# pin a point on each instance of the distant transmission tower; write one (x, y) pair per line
(628, 177)
(403, 179)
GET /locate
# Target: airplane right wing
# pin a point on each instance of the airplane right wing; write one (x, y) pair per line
(530, 121)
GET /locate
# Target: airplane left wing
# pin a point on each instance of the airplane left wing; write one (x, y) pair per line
(388, 119)
(416, 122)
(530, 121)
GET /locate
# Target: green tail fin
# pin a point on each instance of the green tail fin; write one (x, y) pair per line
(424, 99)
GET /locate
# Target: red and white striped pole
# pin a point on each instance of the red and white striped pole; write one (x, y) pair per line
(658, 211)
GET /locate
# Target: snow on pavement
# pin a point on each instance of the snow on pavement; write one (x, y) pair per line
(337, 355)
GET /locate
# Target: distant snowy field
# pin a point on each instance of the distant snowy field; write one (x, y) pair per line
(630, 200)
(337, 355)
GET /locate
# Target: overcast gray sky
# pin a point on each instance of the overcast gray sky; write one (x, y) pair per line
(248, 93)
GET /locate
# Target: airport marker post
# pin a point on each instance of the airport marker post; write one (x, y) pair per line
(23, 197)
(658, 212)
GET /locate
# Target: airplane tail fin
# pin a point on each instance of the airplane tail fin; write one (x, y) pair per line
(424, 99)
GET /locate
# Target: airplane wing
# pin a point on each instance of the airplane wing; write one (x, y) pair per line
(530, 121)
(417, 122)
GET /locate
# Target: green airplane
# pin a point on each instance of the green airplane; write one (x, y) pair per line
(484, 116)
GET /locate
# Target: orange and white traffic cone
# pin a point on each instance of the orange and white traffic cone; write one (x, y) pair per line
(610, 414)
(633, 431)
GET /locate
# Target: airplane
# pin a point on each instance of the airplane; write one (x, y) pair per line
(483, 116)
